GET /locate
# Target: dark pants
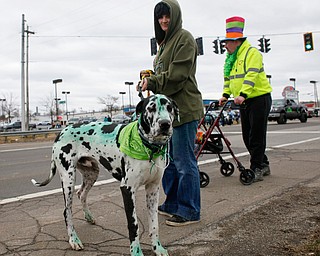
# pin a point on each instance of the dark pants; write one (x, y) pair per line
(254, 121)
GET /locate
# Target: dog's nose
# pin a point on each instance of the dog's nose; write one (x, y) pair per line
(164, 125)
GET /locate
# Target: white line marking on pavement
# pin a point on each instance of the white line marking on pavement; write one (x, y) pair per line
(102, 182)
(23, 149)
(49, 192)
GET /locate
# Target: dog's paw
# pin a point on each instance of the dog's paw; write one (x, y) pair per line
(159, 250)
(135, 249)
(75, 242)
(89, 217)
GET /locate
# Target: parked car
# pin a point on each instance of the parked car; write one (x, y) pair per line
(287, 109)
(87, 120)
(2, 125)
(121, 119)
(17, 126)
(44, 123)
(74, 120)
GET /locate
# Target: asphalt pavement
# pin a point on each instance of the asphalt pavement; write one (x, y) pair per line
(34, 225)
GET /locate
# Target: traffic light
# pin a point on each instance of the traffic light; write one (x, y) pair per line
(216, 46)
(222, 49)
(308, 42)
(267, 45)
(200, 45)
(261, 44)
(153, 43)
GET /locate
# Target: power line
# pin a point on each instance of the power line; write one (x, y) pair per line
(94, 36)
(137, 36)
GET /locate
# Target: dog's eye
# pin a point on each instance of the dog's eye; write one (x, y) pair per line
(152, 107)
(169, 108)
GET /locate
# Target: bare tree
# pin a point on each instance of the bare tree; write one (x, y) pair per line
(49, 105)
(109, 102)
(10, 107)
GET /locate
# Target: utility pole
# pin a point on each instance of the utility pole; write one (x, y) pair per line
(27, 76)
(23, 110)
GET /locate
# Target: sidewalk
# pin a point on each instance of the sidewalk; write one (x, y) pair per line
(36, 226)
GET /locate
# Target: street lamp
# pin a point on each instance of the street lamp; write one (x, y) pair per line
(294, 82)
(56, 97)
(66, 93)
(129, 83)
(269, 77)
(122, 93)
(316, 100)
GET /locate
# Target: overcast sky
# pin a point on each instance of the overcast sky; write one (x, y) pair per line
(95, 46)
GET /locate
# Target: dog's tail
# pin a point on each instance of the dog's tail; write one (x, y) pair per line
(51, 175)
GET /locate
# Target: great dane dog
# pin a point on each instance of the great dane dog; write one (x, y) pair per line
(136, 154)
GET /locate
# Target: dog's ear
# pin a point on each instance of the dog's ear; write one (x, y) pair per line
(176, 110)
(139, 107)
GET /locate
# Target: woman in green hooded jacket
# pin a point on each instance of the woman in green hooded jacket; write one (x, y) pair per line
(174, 76)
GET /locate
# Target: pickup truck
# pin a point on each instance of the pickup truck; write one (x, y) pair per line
(17, 126)
(287, 109)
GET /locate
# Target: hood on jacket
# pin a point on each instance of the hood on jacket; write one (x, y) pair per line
(175, 22)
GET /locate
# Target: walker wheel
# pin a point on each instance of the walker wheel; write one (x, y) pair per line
(247, 177)
(227, 169)
(204, 179)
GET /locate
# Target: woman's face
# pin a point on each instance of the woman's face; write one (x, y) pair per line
(164, 22)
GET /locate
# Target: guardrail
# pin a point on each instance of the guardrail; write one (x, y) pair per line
(18, 136)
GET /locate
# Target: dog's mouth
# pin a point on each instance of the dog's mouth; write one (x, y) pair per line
(160, 137)
(160, 140)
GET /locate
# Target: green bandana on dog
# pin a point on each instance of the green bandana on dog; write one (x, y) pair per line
(131, 143)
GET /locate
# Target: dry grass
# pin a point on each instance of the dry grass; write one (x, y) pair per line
(28, 138)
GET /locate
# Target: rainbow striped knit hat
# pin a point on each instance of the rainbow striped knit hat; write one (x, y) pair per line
(234, 28)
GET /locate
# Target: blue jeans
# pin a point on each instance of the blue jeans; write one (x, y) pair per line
(181, 181)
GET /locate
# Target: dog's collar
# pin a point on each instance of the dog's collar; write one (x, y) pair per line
(155, 148)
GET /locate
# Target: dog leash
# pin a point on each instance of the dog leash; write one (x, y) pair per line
(164, 149)
(147, 73)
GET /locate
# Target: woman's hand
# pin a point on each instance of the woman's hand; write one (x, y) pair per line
(222, 101)
(143, 84)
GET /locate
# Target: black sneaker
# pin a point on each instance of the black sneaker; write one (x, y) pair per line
(164, 213)
(265, 170)
(177, 221)
(258, 175)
